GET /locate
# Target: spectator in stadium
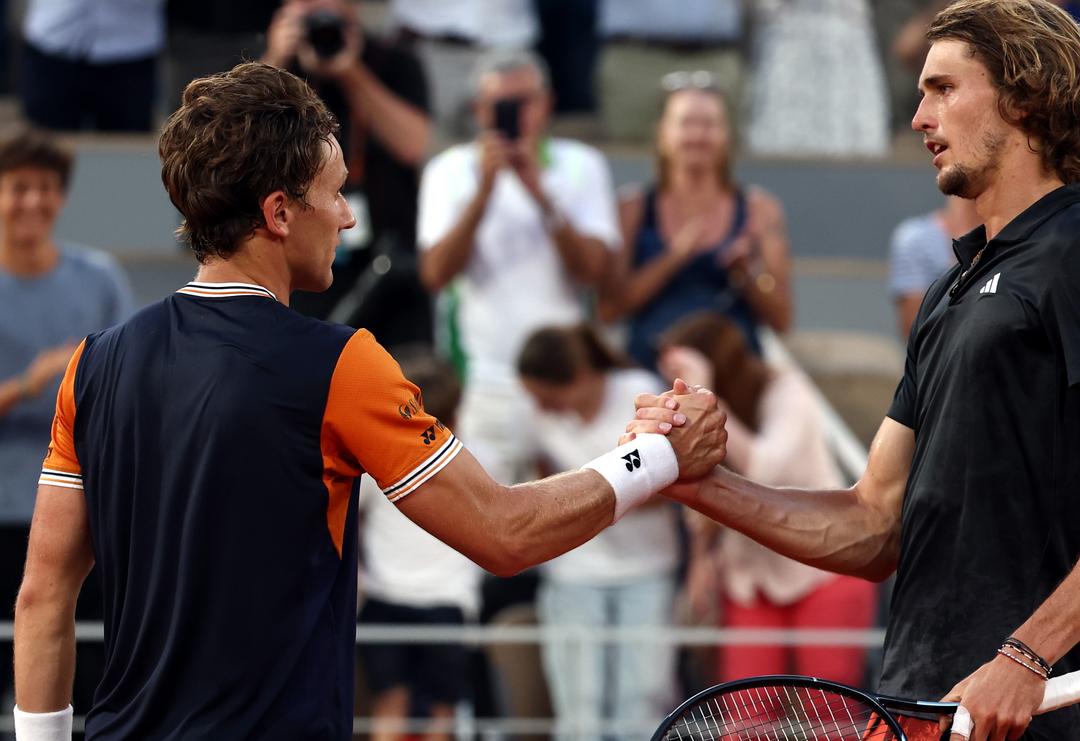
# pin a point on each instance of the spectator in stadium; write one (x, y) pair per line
(53, 293)
(776, 436)
(207, 36)
(920, 250)
(205, 455)
(622, 578)
(844, 113)
(91, 70)
(644, 39)
(450, 37)
(695, 239)
(376, 89)
(408, 577)
(517, 222)
(972, 476)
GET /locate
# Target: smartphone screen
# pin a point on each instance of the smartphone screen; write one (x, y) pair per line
(508, 117)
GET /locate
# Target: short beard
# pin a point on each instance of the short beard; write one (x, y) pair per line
(956, 181)
(966, 183)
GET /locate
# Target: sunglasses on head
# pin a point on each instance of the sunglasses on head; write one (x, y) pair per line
(686, 80)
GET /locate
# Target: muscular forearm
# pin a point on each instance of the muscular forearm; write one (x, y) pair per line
(44, 652)
(555, 515)
(585, 258)
(449, 255)
(402, 128)
(835, 530)
(1054, 629)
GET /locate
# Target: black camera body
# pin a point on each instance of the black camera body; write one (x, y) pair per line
(325, 33)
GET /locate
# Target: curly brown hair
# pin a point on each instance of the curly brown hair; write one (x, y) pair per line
(237, 137)
(1031, 49)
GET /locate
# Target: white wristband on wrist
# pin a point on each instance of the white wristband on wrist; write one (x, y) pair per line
(54, 726)
(637, 470)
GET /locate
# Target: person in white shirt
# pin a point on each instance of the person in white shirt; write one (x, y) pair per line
(409, 577)
(776, 435)
(625, 576)
(516, 225)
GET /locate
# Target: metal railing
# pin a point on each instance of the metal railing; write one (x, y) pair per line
(466, 726)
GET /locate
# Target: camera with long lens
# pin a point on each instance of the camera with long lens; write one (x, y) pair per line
(325, 33)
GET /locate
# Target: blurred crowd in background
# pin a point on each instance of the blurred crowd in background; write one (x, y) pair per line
(527, 298)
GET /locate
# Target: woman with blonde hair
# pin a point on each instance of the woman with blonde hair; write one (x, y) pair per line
(695, 240)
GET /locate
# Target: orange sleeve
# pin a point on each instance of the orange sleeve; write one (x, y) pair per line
(375, 422)
(61, 466)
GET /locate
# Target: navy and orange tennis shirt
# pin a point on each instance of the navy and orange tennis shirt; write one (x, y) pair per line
(219, 437)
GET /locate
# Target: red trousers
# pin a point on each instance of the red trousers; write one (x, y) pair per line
(844, 602)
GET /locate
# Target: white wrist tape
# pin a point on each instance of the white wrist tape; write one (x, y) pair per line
(54, 726)
(637, 470)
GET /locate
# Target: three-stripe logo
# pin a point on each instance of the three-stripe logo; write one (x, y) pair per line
(991, 285)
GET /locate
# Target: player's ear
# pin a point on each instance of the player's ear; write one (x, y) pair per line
(276, 213)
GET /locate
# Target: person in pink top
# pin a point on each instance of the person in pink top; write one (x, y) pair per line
(775, 435)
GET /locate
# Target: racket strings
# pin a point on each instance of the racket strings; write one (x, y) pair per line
(780, 713)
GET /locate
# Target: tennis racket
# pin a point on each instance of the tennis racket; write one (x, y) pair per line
(795, 708)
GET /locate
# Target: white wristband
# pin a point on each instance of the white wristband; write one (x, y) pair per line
(637, 470)
(54, 726)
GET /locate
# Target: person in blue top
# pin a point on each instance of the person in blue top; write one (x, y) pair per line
(53, 293)
(695, 240)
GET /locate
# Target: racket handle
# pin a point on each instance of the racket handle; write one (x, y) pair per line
(1061, 692)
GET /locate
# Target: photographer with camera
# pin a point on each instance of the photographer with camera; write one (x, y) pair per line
(521, 222)
(378, 93)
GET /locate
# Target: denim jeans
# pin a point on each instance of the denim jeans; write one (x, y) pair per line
(612, 683)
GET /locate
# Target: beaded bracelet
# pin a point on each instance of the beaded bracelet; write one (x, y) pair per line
(1030, 667)
(1025, 650)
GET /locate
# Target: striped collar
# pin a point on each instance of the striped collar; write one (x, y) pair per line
(225, 290)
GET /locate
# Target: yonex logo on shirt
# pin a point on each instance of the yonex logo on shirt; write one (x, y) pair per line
(991, 285)
(633, 460)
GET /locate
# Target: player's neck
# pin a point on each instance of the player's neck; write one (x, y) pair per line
(237, 269)
(27, 259)
(1011, 194)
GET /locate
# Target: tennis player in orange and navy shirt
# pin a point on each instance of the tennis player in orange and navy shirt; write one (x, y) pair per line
(217, 438)
(236, 428)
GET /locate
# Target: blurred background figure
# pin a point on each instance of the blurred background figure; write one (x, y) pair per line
(53, 294)
(205, 36)
(516, 223)
(407, 577)
(570, 45)
(86, 67)
(695, 239)
(644, 39)
(775, 434)
(920, 250)
(622, 578)
(378, 93)
(819, 84)
(450, 37)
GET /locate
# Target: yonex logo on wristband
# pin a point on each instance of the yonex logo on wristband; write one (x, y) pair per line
(633, 460)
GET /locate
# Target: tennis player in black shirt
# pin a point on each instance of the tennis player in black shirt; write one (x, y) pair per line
(972, 490)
